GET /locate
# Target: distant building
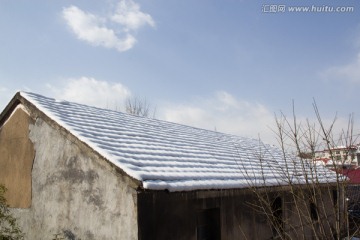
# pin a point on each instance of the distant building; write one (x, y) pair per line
(340, 157)
(344, 160)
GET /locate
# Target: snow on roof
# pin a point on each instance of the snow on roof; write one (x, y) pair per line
(164, 155)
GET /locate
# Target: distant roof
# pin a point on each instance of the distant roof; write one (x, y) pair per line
(339, 148)
(164, 155)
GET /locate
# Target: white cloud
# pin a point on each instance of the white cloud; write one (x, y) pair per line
(349, 72)
(95, 30)
(92, 92)
(129, 15)
(224, 113)
(90, 28)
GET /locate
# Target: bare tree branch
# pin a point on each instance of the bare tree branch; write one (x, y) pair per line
(138, 107)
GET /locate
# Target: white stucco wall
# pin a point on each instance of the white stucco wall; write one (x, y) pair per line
(75, 193)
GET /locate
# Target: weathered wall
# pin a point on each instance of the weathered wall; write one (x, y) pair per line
(325, 210)
(174, 215)
(75, 192)
(16, 159)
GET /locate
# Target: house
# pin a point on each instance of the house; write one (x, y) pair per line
(341, 156)
(91, 173)
(342, 159)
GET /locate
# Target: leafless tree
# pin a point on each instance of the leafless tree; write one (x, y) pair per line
(317, 195)
(138, 107)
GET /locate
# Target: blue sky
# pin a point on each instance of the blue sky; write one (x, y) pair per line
(225, 65)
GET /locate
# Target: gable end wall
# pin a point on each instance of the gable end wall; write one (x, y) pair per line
(75, 192)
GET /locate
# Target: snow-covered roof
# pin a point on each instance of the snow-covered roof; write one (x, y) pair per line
(164, 155)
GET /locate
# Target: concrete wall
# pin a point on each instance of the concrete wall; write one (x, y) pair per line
(74, 192)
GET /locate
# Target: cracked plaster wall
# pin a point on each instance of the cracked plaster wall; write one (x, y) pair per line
(74, 192)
